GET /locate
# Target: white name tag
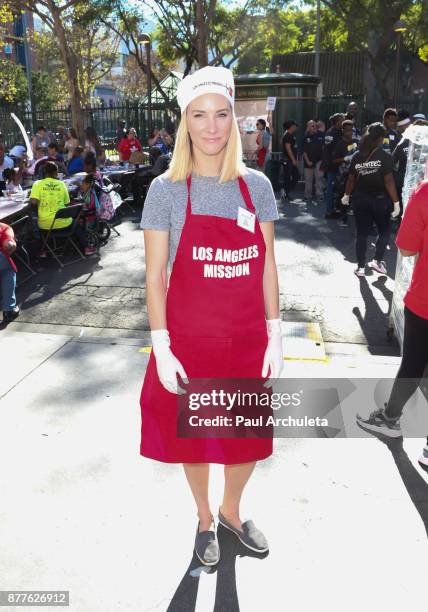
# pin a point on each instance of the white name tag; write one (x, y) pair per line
(246, 219)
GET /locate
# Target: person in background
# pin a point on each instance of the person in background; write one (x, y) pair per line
(333, 134)
(372, 186)
(156, 140)
(412, 240)
(91, 192)
(313, 144)
(128, 145)
(93, 145)
(5, 162)
(49, 195)
(75, 164)
(168, 140)
(70, 144)
(90, 166)
(13, 180)
(403, 120)
(18, 151)
(343, 152)
(8, 273)
(289, 152)
(320, 125)
(160, 162)
(40, 157)
(263, 143)
(41, 138)
(60, 137)
(351, 115)
(399, 157)
(392, 137)
(55, 156)
(419, 116)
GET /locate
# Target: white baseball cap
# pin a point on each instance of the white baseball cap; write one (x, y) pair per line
(210, 79)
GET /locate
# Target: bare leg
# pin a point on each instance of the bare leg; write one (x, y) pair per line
(235, 479)
(197, 475)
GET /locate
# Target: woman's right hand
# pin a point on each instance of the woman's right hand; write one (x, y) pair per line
(167, 364)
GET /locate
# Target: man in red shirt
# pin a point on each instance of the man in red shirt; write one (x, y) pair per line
(7, 273)
(412, 240)
(128, 145)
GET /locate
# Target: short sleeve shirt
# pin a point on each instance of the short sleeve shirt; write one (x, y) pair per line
(289, 139)
(370, 172)
(52, 195)
(413, 236)
(166, 201)
(313, 146)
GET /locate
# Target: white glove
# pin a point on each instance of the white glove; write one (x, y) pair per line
(347, 158)
(396, 210)
(167, 364)
(345, 200)
(274, 358)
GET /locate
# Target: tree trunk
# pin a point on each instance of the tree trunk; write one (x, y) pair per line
(201, 33)
(71, 70)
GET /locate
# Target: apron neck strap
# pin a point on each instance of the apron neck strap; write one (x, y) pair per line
(246, 194)
(242, 186)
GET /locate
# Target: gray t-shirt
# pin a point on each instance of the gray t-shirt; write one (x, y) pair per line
(165, 203)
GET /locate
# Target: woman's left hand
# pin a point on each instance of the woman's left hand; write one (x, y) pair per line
(273, 359)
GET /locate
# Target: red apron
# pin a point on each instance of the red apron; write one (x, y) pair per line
(261, 153)
(216, 322)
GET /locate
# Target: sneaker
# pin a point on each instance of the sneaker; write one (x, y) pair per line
(360, 272)
(90, 250)
(206, 546)
(10, 315)
(249, 535)
(379, 266)
(378, 423)
(423, 459)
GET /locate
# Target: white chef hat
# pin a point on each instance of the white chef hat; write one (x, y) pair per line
(211, 79)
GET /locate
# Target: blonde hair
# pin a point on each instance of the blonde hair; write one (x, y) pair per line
(183, 163)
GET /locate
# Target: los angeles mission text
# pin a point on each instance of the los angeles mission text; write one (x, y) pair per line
(226, 256)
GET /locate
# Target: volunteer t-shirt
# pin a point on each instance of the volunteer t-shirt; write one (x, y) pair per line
(370, 172)
(344, 148)
(391, 140)
(313, 146)
(128, 146)
(165, 203)
(289, 139)
(413, 236)
(399, 158)
(52, 195)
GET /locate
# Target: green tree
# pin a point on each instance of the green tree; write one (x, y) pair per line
(13, 83)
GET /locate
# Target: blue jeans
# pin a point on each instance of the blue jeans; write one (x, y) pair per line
(7, 283)
(329, 196)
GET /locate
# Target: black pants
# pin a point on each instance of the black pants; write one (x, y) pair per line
(369, 210)
(291, 176)
(413, 363)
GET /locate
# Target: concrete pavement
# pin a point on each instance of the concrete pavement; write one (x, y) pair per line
(82, 511)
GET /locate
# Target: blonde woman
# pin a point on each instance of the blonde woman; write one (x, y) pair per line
(209, 322)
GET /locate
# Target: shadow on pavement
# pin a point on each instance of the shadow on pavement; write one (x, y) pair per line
(226, 594)
(415, 484)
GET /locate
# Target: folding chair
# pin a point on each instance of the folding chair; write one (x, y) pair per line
(21, 230)
(65, 234)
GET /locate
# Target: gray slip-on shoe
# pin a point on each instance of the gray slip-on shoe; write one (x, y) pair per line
(250, 536)
(206, 547)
